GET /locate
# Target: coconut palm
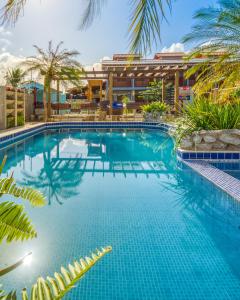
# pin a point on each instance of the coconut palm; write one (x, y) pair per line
(217, 30)
(14, 77)
(145, 19)
(54, 64)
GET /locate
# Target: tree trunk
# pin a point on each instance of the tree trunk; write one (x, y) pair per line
(49, 109)
(45, 103)
(58, 96)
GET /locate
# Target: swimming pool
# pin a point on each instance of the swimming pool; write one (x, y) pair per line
(174, 235)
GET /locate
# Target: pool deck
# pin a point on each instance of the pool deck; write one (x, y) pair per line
(19, 129)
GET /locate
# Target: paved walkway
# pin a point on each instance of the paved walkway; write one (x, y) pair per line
(19, 129)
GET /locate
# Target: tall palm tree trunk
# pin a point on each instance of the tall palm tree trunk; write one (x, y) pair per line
(45, 114)
(49, 109)
(58, 95)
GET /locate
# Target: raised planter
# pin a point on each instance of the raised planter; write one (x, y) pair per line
(214, 140)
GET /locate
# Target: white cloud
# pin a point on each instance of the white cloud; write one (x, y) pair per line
(4, 32)
(4, 42)
(175, 47)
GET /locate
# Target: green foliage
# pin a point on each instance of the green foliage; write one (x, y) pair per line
(153, 91)
(204, 114)
(125, 100)
(15, 77)
(54, 64)
(20, 120)
(9, 187)
(14, 222)
(56, 287)
(218, 33)
(155, 107)
(10, 121)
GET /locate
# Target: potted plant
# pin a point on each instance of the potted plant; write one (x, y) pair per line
(154, 111)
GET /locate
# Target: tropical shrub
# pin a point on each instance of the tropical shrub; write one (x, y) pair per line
(125, 101)
(153, 92)
(14, 77)
(203, 114)
(157, 107)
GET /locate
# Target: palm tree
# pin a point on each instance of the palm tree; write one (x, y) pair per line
(145, 20)
(217, 31)
(14, 77)
(54, 64)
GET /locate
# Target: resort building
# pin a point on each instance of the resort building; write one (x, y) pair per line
(128, 75)
(38, 89)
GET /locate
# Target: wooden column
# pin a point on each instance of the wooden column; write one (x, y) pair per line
(176, 92)
(163, 90)
(110, 92)
(58, 96)
(16, 107)
(100, 92)
(89, 91)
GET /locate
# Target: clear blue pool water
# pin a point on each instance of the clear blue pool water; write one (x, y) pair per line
(174, 235)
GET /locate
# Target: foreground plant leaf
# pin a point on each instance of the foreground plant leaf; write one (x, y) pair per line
(14, 223)
(9, 187)
(57, 287)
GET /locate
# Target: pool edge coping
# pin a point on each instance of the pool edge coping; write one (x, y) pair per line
(219, 178)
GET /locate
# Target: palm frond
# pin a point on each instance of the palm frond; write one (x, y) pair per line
(92, 11)
(14, 223)
(56, 287)
(11, 11)
(145, 21)
(10, 296)
(217, 32)
(9, 187)
(144, 29)
(3, 164)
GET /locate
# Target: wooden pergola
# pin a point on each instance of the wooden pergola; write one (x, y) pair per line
(142, 69)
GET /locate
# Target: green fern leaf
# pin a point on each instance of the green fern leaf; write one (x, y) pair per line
(9, 187)
(56, 288)
(14, 223)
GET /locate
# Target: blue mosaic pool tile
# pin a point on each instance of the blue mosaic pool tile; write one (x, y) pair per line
(228, 155)
(221, 156)
(185, 155)
(192, 155)
(200, 155)
(235, 155)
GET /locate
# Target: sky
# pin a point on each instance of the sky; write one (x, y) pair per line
(58, 20)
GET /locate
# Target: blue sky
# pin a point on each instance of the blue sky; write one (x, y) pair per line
(59, 20)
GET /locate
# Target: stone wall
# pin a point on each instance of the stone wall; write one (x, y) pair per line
(228, 139)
